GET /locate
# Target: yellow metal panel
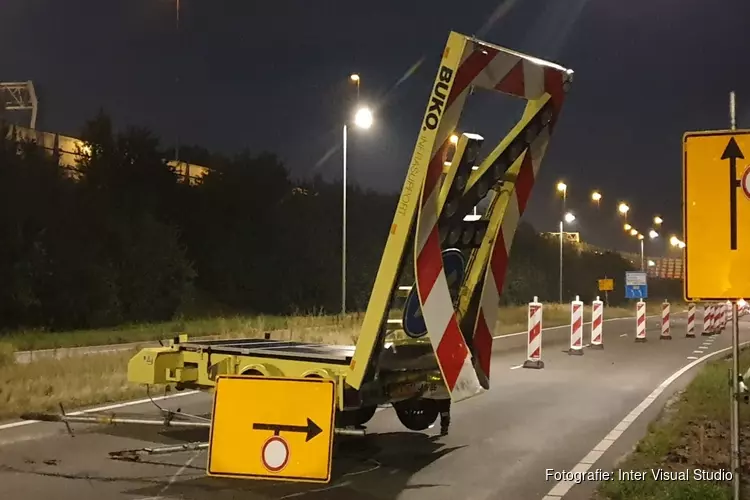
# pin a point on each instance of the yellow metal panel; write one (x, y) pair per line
(714, 163)
(606, 285)
(272, 428)
(475, 270)
(403, 218)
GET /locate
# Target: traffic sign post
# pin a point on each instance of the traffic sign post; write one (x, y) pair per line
(413, 322)
(717, 245)
(636, 285)
(272, 428)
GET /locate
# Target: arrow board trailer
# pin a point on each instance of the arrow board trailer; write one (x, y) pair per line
(450, 356)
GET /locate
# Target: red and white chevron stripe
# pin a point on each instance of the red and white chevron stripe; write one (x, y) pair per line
(576, 326)
(691, 320)
(640, 321)
(665, 323)
(483, 66)
(597, 314)
(534, 345)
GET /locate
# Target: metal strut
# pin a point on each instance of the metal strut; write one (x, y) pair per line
(167, 421)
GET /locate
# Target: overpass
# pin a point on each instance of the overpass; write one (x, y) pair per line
(69, 150)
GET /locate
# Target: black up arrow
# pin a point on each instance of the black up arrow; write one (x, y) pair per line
(732, 152)
(311, 429)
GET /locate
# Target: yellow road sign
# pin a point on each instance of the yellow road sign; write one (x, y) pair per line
(272, 428)
(716, 214)
(606, 285)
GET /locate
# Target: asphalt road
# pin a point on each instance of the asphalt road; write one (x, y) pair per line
(499, 447)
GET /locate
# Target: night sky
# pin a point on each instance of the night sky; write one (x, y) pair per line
(274, 76)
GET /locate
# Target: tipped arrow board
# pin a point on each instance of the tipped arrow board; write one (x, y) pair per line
(413, 322)
(716, 220)
(272, 428)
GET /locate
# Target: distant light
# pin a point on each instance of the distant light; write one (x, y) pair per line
(628, 227)
(651, 263)
(562, 187)
(653, 234)
(640, 236)
(674, 241)
(363, 118)
(681, 244)
(623, 208)
(454, 139)
(658, 220)
(354, 77)
(633, 232)
(596, 196)
(569, 217)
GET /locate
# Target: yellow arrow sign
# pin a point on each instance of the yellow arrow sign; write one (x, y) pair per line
(272, 428)
(716, 218)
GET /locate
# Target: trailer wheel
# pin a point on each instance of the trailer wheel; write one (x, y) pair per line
(416, 414)
(357, 417)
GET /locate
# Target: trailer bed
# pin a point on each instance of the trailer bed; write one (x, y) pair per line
(278, 349)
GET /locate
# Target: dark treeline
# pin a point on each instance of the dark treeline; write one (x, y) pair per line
(128, 241)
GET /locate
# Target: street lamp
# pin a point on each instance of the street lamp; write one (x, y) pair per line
(362, 119)
(627, 227)
(651, 263)
(658, 220)
(673, 241)
(653, 234)
(454, 139)
(640, 237)
(568, 217)
(356, 79)
(623, 209)
(596, 196)
(633, 232)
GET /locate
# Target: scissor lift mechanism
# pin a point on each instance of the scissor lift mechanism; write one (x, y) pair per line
(453, 360)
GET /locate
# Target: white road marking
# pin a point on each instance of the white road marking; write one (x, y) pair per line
(624, 335)
(563, 487)
(703, 347)
(516, 367)
(175, 476)
(568, 326)
(104, 408)
(691, 357)
(697, 352)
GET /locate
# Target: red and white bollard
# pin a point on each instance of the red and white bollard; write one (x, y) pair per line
(534, 349)
(576, 327)
(640, 321)
(666, 334)
(691, 321)
(708, 320)
(597, 321)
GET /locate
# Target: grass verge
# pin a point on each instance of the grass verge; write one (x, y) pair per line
(317, 328)
(44, 384)
(692, 433)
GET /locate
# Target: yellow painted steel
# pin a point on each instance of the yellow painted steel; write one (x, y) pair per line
(478, 260)
(403, 222)
(450, 171)
(713, 270)
(279, 429)
(199, 370)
